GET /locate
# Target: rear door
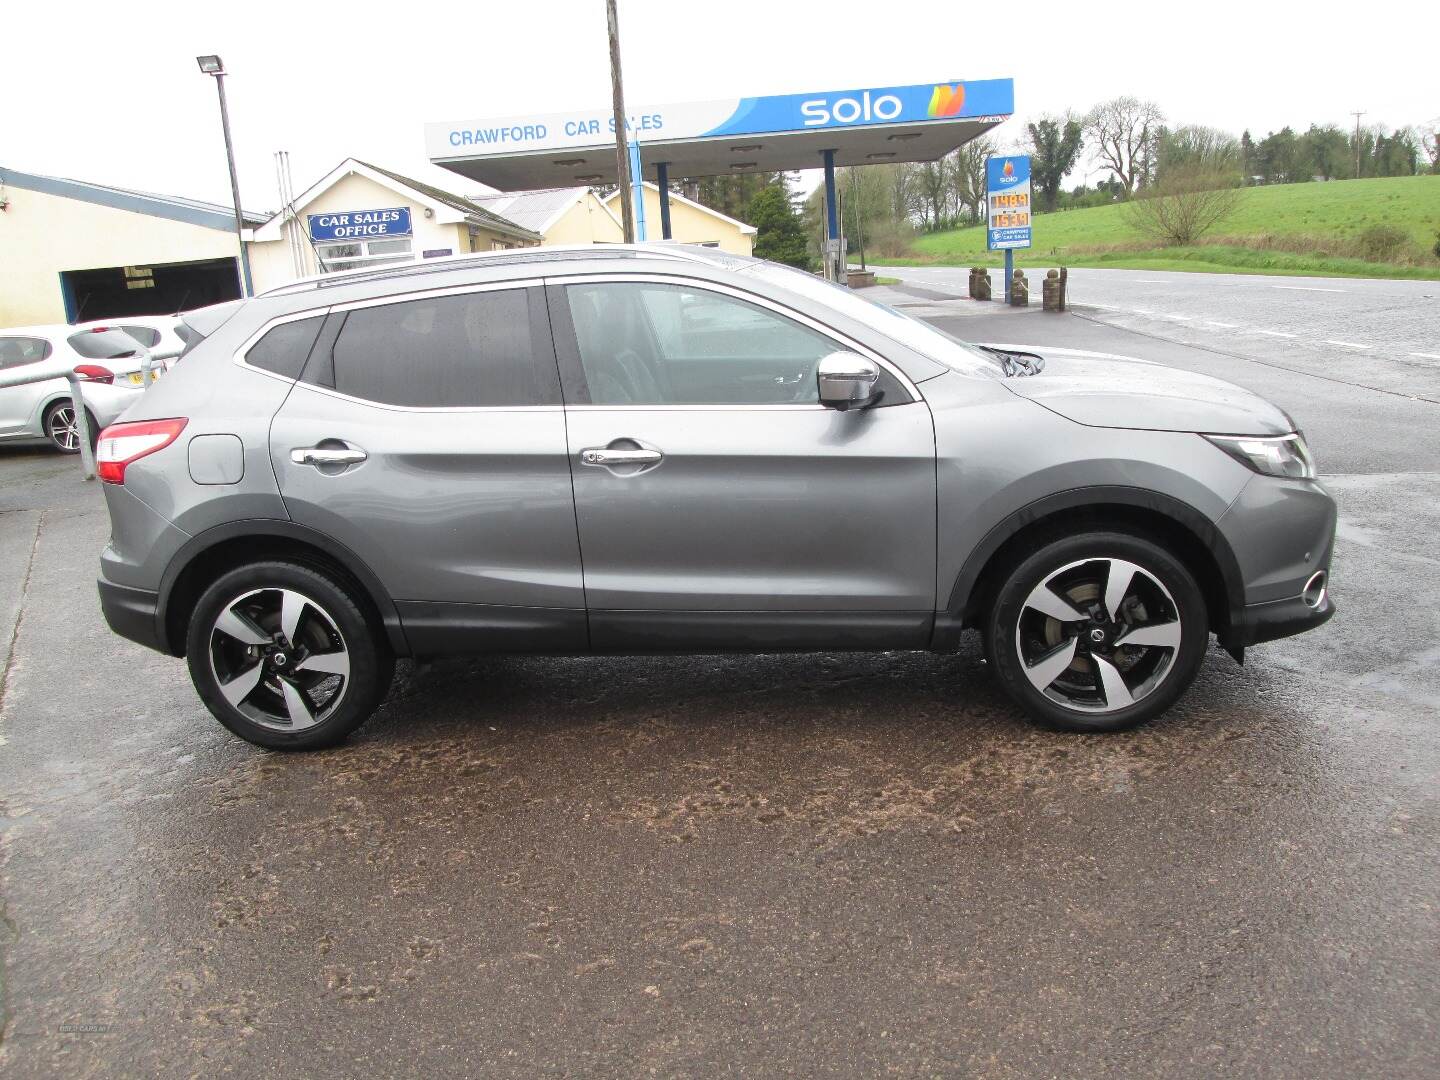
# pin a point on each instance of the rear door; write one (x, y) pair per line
(426, 435)
(720, 506)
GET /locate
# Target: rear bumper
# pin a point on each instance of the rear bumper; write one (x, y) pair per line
(131, 613)
(1258, 623)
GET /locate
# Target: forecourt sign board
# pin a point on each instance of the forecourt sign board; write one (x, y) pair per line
(798, 125)
(1007, 198)
(359, 224)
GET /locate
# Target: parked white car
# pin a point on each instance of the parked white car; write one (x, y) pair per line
(157, 333)
(35, 393)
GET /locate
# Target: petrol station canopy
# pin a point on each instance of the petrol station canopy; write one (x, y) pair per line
(865, 126)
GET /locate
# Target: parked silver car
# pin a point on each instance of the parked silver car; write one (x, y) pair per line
(661, 449)
(35, 394)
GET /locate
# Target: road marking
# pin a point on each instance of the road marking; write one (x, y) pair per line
(1274, 333)
(1347, 344)
(1426, 355)
(1304, 288)
(1225, 325)
(1178, 318)
(1138, 311)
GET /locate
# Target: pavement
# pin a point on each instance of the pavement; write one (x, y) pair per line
(820, 865)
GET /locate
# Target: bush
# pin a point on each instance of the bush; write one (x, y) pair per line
(1382, 243)
(1437, 245)
(1184, 206)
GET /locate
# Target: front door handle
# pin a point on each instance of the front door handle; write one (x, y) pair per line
(328, 455)
(604, 456)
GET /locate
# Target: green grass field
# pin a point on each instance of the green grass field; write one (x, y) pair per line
(1304, 229)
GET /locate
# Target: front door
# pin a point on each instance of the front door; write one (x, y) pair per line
(426, 435)
(719, 505)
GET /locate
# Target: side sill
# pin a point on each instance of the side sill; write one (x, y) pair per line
(663, 631)
(439, 629)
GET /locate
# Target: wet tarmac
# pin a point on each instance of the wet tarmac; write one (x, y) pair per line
(821, 865)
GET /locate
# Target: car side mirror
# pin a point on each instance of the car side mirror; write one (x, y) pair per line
(847, 380)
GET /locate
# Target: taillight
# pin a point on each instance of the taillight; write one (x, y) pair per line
(122, 444)
(94, 373)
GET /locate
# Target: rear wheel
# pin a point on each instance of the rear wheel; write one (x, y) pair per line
(1097, 632)
(61, 427)
(285, 658)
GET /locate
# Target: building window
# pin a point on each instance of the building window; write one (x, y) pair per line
(358, 254)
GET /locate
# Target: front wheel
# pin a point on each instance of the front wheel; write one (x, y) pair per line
(284, 657)
(1097, 632)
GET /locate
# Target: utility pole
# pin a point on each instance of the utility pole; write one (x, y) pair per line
(622, 152)
(1357, 143)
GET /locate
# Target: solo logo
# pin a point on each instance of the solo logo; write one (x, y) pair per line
(946, 100)
(863, 109)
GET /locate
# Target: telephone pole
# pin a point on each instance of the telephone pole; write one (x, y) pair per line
(622, 151)
(1357, 143)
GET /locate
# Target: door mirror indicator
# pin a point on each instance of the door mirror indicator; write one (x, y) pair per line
(847, 381)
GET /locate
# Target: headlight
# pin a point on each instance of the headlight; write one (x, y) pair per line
(1285, 456)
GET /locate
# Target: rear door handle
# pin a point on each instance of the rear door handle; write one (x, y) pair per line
(328, 455)
(603, 456)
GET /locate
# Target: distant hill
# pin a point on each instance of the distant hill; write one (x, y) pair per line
(1318, 228)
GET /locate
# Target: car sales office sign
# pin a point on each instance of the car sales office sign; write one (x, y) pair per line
(1007, 194)
(360, 224)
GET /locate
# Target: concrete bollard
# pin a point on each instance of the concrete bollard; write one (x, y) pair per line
(1019, 290)
(979, 283)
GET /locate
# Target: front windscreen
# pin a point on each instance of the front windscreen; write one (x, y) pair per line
(909, 331)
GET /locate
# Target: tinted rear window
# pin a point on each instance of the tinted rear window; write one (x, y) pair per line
(145, 335)
(284, 349)
(104, 344)
(475, 349)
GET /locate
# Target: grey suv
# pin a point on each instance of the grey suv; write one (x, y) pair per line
(662, 449)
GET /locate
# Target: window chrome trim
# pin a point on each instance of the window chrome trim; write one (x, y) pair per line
(426, 409)
(381, 301)
(705, 284)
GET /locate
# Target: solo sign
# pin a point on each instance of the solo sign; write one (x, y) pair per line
(1007, 196)
(360, 224)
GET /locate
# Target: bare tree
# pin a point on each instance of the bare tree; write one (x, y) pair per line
(1122, 133)
(932, 183)
(967, 175)
(1185, 205)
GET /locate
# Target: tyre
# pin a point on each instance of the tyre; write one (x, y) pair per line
(285, 657)
(1097, 632)
(61, 428)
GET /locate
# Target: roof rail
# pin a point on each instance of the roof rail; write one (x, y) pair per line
(509, 257)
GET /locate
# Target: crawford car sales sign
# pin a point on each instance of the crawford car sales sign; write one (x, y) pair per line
(360, 224)
(1007, 183)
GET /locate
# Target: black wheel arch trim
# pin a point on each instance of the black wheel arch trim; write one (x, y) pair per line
(947, 629)
(266, 528)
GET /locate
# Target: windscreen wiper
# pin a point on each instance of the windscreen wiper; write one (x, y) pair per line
(1017, 364)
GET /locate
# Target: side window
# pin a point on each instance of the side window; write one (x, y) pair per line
(284, 349)
(467, 350)
(646, 343)
(18, 351)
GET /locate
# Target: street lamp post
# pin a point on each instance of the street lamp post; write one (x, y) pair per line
(214, 67)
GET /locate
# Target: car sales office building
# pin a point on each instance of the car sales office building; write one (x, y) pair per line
(360, 215)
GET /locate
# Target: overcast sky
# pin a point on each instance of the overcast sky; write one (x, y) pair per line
(111, 93)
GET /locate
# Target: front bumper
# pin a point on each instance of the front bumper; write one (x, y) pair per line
(1258, 623)
(131, 613)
